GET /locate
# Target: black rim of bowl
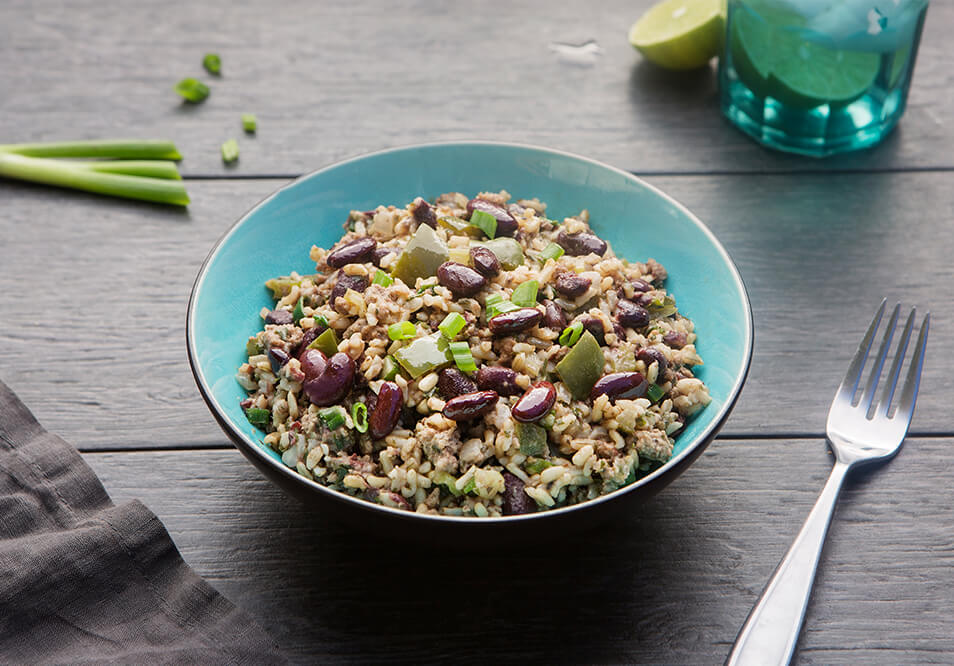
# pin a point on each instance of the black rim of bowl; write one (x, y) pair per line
(674, 464)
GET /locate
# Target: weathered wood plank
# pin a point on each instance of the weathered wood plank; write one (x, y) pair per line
(335, 79)
(670, 585)
(98, 349)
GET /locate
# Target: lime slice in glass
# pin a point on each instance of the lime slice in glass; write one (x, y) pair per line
(680, 34)
(773, 57)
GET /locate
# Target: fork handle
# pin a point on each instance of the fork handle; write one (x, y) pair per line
(769, 634)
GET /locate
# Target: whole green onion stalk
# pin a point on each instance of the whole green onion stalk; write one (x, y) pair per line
(128, 168)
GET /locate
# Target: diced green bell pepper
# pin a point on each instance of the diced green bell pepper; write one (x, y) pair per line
(448, 481)
(253, 347)
(327, 343)
(532, 438)
(508, 251)
(582, 367)
(422, 256)
(424, 355)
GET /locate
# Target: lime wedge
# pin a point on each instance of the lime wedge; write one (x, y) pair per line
(680, 34)
(773, 57)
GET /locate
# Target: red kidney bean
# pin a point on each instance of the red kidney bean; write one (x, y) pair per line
(313, 362)
(675, 339)
(514, 321)
(461, 280)
(498, 378)
(451, 383)
(595, 327)
(355, 252)
(515, 499)
(470, 405)
(581, 244)
(506, 224)
(387, 410)
(641, 286)
(345, 282)
(535, 403)
(485, 261)
(625, 385)
(332, 384)
(571, 284)
(631, 315)
(553, 316)
(650, 355)
(279, 317)
(380, 253)
(277, 358)
(424, 214)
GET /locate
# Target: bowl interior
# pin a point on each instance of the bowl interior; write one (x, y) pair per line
(639, 222)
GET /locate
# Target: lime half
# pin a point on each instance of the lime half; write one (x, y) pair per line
(680, 34)
(773, 57)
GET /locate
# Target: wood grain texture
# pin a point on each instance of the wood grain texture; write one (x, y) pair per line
(340, 78)
(98, 351)
(672, 584)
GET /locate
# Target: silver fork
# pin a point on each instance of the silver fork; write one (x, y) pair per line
(860, 430)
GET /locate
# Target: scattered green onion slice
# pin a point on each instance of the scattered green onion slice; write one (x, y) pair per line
(230, 151)
(212, 63)
(571, 334)
(485, 222)
(359, 414)
(525, 295)
(321, 320)
(403, 330)
(462, 356)
(298, 313)
(249, 122)
(470, 487)
(258, 417)
(655, 392)
(552, 251)
(382, 278)
(333, 417)
(453, 324)
(192, 90)
(496, 304)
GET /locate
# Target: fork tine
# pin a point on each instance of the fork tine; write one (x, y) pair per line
(892, 383)
(910, 392)
(850, 382)
(868, 397)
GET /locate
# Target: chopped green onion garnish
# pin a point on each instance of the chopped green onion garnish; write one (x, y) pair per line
(258, 417)
(493, 299)
(382, 278)
(230, 151)
(298, 313)
(571, 334)
(453, 324)
(403, 330)
(462, 356)
(212, 63)
(390, 369)
(470, 487)
(525, 295)
(485, 222)
(334, 417)
(496, 304)
(359, 414)
(192, 90)
(249, 122)
(321, 321)
(552, 251)
(654, 393)
(537, 465)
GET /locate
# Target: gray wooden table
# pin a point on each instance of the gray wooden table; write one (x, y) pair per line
(93, 295)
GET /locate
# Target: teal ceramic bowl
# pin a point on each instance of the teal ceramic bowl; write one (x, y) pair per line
(637, 219)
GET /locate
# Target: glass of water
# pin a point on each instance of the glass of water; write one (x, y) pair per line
(819, 77)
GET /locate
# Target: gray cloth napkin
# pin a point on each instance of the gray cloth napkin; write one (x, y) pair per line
(85, 581)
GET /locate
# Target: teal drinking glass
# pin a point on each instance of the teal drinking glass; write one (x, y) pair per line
(819, 77)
